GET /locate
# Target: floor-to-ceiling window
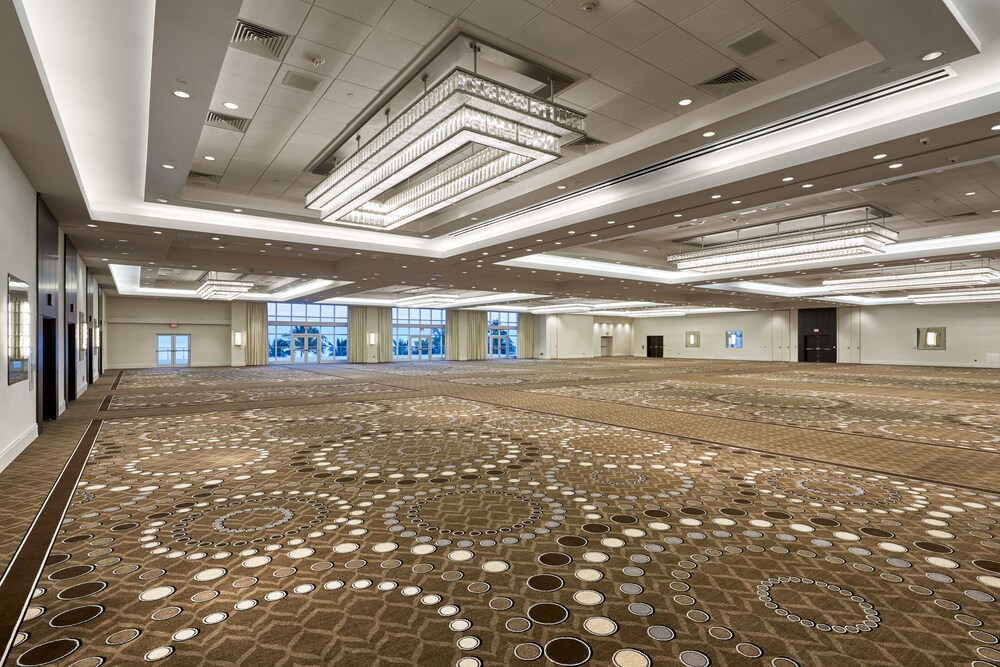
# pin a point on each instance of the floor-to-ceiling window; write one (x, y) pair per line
(501, 335)
(306, 333)
(418, 333)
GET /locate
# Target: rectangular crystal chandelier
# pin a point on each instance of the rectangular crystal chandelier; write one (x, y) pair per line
(904, 281)
(514, 133)
(962, 296)
(213, 289)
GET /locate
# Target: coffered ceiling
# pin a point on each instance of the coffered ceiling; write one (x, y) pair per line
(598, 223)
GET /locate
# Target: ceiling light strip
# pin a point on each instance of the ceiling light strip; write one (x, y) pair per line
(926, 279)
(868, 97)
(963, 296)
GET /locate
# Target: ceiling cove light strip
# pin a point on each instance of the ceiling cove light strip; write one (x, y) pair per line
(963, 296)
(868, 97)
(904, 281)
(866, 238)
(512, 133)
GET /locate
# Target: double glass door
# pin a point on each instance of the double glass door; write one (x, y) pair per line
(173, 350)
(305, 348)
(420, 348)
(501, 347)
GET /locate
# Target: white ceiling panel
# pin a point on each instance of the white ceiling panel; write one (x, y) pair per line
(777, 61)
(333, 30)
(548, 34)
(657, 88)
(449, 7)
(291, 100)
(415, 21)
(669, 48)
(301, 50)
(625, 72)
(701, 66)
(698, 97)
(323, 82)
(221, 141)
(779, 35)
(615, 131)
(588, 93)
(350, 94)
(830, 38)
(334, 111)
(648, 117)
(804, 17)
(322, 126)
(619, 106)
(368, 12)
(250, 65)
(241, 87)
(589, 54)
(277, 116)
(569, 10)
(768, 7)
(721, 19)
(282, 15)
(677, 10)
(388, 49)
(501, 18)
(632, 26)
(364, 72)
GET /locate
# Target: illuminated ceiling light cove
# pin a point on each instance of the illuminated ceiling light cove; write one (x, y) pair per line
(903, 281)
(513, 131)
(963, 296)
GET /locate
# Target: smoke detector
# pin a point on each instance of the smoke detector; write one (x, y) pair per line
(588, 6)
(316, 60)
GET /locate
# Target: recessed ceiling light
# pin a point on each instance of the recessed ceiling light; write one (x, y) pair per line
(708, 134)
(157, 232)
(684, 102)
(593, 234)
(237, 210)
(315, 248)
(611, 222)
(92, 225)
(538, 240)
(896, 165)
(167, 166)
(473, 219)
(788, 178)
(560, 187)
(231, 105)
(807, 185)
(215, 238)
(678, 215)
(931, 55)
(879, 156)
(996, 210)
(716, 196)
(183, 94)
(268, 243)
(571, 232)
(995, 128)
(161, 200)
(631, 226)
(737, 201)
(969, 194)
(210, 158)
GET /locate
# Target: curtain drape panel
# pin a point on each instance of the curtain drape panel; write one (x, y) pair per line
(465, 335)
(256, 343)
(363, 321)
(527, 336)
(452, 333)
(477, 328)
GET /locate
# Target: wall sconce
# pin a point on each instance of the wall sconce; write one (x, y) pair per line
(372, 338)
(238, 338)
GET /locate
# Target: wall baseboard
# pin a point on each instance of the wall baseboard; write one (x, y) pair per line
(10, 451)
(62, 407)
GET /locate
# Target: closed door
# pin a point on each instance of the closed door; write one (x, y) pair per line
(500, 347)
(173, 350)
(819, 348)
(420, 348)
(607, 345)
(305, 349)
(654, 346)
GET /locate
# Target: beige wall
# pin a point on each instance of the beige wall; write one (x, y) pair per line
(134, 322)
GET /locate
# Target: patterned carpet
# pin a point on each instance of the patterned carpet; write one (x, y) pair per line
(704, 513)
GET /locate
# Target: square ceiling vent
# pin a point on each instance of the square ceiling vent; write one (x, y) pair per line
(753, 43)
(260, 40)
(728, 83)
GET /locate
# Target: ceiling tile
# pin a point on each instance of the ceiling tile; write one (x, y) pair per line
(632, 26)
(669, 47)
(721, 19)
(547, 34)
(830, 38)
(247, 106)
(334, 111)
(588, 93)
(282, 15)
(777, 61)
(368, 11)
(250, 65)
(589, 53)
(276, 116)
(414, 21)
(291, 100)
(322, 82)
(449, 7)
(700, 67)
(322, 126)
(255, 155)
(676, 10)
(388, 49)
(804, 17)
(350, 94)
(266, 137)
(306, 139)
(242, 87)
(624, 72)
(768, 7)
(502, 18)
(221, 141)
(301, 49)
(333, 30)
(648, 117)
(366, 73)
(615, 131)
(569, 10)
(619, 106)
(656, 88)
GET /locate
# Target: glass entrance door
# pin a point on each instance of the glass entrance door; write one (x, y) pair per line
(173, 350)
(501, 347)
(420, 348)
(305, 349)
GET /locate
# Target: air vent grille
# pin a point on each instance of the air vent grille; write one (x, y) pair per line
(756, 41)
(585, 145)
(216, 119)
(728, 83)
(201, 177)
(301, 82)
(260, 40)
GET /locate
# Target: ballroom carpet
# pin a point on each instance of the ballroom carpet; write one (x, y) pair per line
(624, 512)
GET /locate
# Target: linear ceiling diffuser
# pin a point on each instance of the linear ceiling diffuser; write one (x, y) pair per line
(383, 185)
(904, 281)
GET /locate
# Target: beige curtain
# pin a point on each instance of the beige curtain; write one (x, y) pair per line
(452, 340)
(256, 343)
(365, 320)
(527, 336)
(476, 327)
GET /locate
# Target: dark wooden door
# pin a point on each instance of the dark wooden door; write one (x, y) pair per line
(654, 346)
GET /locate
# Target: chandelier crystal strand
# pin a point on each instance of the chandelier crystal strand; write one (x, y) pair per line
(513, 131)
(213, 289)
(926, 279)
